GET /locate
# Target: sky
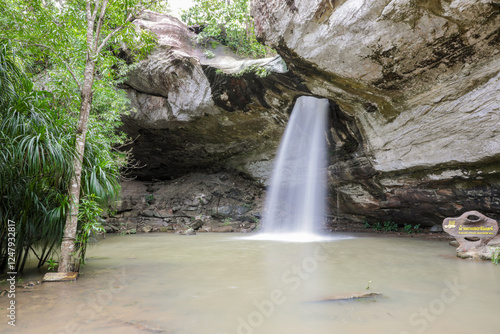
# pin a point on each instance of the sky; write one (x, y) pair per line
(178, 5)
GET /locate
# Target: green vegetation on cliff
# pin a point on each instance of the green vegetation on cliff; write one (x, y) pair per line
(226, 22)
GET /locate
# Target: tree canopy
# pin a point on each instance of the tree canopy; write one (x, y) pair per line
(226, 22)
(59, 112)
(36, 156)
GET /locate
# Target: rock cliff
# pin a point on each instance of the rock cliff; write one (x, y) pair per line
(420, 81)
(414, 90)
(197, 113)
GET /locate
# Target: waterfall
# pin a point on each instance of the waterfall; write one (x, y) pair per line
(295, 202)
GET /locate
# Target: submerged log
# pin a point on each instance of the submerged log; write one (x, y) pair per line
(348, 296)
(60, 277)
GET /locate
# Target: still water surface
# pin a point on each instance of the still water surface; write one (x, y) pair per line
(224, 283)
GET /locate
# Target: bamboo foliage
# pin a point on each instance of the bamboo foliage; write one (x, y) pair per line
(34, 169)
(36, 164)
(72, 45)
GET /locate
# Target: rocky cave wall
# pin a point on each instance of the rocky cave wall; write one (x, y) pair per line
(194, 113)
(204, 135)
(413, 87)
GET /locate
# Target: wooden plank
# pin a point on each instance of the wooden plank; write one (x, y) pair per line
(60, 277)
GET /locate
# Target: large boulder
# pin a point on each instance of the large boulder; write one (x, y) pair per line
(417, 82)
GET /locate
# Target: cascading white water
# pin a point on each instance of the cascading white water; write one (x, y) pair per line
(295, 203)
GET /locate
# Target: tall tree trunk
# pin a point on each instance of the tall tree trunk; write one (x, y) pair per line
(66, 260)
(95, 13)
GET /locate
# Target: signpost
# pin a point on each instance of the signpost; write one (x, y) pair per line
(472, 230)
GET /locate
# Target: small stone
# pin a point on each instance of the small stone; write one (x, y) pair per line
(190, 231)
(168, 228)
(110, 229)
(147, 229)
(437, 228)
(149, 213)
(202, 200)
(196, 224)
(223, 229)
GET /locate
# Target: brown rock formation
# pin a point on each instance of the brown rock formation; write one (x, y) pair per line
(414, 88)
(194, 113)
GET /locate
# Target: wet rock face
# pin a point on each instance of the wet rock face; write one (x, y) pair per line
(159, 86)
(205, 143)
(416, 84)
(411, 72)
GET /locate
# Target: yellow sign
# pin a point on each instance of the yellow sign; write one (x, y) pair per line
(475, 228)
(451, 224)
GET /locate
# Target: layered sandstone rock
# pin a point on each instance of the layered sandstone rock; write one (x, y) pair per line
(414, 89)
(420, 81)
(195, 113)
(219, 202)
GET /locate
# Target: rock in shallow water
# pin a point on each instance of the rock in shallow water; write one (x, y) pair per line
(348, 296)
(223, 229)
(189, 231)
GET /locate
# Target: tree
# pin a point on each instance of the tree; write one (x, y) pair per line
(227, 22)
(77, 41)
(36, 156)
